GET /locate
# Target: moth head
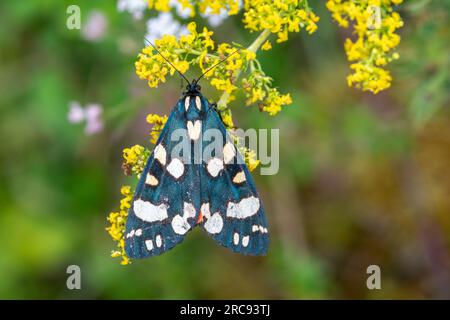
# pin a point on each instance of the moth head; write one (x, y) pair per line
(193, 88)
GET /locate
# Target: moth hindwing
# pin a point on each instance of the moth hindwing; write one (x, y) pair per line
(175, 193)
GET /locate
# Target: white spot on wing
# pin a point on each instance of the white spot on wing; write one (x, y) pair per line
(138, 232)
(245, 240)
(245, 208)
(255, 228)
(189, 210)
(204, 209)
(214, 224)
(158, 241)
(151, 180)
(149, 212)
(186, 103)
(176, 168)
(180, 225)
(194, 129)
(215, 165)
(198, 103)
(239, 177)
(229, 152)
(149, 245)
(236, 238)
(160, 154)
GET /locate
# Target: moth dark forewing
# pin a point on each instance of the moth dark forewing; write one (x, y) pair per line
(173, 196)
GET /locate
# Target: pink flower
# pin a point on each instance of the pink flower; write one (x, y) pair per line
(94, 122)
(95, 27)
(76, 112)
(91, 114)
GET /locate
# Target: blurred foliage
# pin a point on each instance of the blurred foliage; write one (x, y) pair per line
(363, 178)
(427, 65)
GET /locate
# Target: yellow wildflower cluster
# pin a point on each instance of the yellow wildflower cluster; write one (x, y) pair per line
(117, 222)
(197, 48)
(279, 16)
(152, 67)
(250, 158)
(272, 104)
(158, 124)
(224, 76)
(135, 159)
(227, 118)
(215, 6)
(204, 6)
(257, 89)
(374, 23)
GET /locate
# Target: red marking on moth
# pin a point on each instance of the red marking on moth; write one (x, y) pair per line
(200, 218)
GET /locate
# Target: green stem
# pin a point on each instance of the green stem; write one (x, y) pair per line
(179, 51)
(259, 41)
(254, 47)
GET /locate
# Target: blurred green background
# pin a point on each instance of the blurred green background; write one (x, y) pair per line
(364, 179)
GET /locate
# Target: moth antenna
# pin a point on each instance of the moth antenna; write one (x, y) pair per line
(156, 49)
(218, 63)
